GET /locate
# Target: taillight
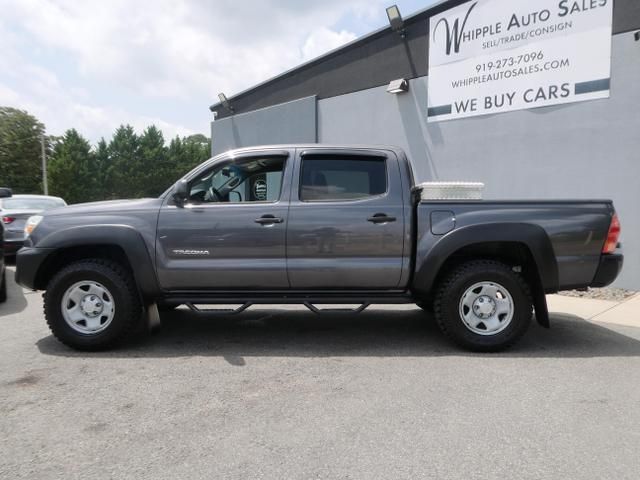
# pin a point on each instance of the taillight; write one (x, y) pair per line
(7, 220)
(612, 236)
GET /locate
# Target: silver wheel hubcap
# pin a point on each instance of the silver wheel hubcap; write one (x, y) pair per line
(486, 308)
(88, 307)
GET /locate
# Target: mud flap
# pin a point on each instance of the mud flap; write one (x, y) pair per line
(540, 305)
(151, 318)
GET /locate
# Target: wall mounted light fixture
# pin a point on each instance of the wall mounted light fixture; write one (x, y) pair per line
(395, 20)
(398, 86)
(225, 102)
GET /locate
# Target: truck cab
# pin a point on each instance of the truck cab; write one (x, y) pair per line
(306, 218)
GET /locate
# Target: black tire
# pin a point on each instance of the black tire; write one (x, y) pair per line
(450, 293)
(120, 284)
(3, 287)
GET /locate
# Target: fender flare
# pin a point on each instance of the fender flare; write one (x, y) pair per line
(124, 236)
(532, 236)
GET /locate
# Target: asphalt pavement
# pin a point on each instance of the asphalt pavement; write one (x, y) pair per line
(287, 394)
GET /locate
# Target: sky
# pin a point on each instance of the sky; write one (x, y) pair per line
(95, 64)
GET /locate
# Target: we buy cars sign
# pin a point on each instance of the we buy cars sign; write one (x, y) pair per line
(493, 56)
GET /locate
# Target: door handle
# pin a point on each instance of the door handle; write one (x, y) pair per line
(381, 218)
(268, 220)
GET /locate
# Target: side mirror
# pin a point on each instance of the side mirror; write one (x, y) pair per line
(181, 191)
(5, 192)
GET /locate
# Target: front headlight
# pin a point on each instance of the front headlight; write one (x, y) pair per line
(32, 223)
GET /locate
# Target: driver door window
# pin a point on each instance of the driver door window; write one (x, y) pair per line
(240, 181)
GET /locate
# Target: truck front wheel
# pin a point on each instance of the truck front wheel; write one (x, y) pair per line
(92, 304)
(483, 305)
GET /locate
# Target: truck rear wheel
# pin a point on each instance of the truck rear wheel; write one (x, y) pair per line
(92, 304)
(483, 305)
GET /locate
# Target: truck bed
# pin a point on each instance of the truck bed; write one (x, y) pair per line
(576, 229)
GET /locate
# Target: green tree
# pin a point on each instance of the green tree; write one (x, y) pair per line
(20, 151)
(199, 138)
(71, 169)
(154, 169)
(124, 158)
(175, 158)
(196, 149)
(199, 149)
(102, 172)
(186, 153)
(128, 166)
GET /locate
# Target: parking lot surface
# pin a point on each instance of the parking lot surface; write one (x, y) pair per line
(288, 394)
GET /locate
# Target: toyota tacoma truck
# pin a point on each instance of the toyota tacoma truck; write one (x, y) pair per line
(314, 225)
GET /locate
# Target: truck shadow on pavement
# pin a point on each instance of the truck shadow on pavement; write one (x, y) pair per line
(376, 333)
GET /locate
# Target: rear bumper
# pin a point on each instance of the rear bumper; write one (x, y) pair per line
(608, 270)
(28, 262)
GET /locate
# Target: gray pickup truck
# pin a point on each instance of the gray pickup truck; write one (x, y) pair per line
(314, 224)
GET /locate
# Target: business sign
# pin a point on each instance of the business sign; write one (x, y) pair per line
(493, 56)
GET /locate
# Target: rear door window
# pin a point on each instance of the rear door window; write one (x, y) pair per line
(325, 179)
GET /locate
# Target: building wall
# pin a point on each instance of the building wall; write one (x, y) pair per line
(580, 150)
(289, 122)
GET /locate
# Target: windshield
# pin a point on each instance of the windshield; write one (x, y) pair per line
(17, 203)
